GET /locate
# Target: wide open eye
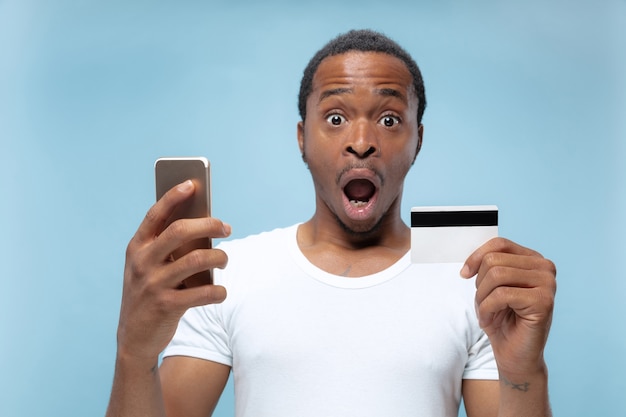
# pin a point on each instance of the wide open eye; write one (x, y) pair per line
(389, 121)
(335, 119)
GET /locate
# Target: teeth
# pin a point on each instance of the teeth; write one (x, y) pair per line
(358, 203)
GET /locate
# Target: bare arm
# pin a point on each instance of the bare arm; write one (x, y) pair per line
(153, 301)
(515, 289)
(191, 386)
(183, 386)
(136, 389)
(492, 398)
(481, 397)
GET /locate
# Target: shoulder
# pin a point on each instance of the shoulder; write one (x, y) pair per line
(256, 255)
(262, 240)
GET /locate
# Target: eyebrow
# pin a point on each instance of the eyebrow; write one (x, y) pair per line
(391, 92)
(334, 92)
(385, 92)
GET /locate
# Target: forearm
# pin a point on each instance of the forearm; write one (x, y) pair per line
(525, 395)
(136, 389)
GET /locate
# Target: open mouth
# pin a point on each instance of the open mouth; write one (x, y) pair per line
(359, 192)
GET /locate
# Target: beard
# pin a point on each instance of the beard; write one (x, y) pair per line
(363, 234)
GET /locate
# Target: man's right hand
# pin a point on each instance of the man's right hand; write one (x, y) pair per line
(153, 300)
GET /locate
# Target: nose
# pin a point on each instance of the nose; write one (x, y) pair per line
(362, 141)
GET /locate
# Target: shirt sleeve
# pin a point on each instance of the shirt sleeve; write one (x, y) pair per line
(201, 334)
(481, 364)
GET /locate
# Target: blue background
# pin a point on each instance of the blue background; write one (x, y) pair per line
(526, 105)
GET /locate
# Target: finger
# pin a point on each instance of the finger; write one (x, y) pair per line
(185, 230)
(173, 303)
(531, 304)
(174, 273)
(498, 244)
(497, 263)
(202, 295)
(512, 277)
(157, 215)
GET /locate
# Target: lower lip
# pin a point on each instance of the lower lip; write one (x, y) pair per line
(361, 212)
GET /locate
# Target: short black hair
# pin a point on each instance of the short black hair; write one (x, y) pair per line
(364, 40)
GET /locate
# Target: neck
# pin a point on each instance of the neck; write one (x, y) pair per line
(329, 246)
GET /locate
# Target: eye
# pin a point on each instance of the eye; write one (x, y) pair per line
(335, 119)
(389, 121)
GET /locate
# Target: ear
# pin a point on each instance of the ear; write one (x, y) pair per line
(301, 139)
(420, 136)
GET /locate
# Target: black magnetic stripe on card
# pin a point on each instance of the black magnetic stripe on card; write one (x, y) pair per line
(454, 218)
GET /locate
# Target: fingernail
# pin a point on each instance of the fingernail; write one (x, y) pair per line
(227, 229)
(185, 186)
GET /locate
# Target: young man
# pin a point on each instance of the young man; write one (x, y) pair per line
(329, 317)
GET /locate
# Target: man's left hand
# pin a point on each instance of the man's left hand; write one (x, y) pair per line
(515, 290)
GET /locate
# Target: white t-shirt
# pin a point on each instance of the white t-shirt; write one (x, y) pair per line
(303, 342)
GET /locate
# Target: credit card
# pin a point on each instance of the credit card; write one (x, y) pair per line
(449, 234)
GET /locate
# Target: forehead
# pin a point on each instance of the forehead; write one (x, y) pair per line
(374, 69)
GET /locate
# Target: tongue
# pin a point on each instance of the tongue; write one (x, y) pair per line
(359, 190)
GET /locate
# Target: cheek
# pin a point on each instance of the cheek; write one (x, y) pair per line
(317, 153)
(323, 172)
(399, 167)
(399, 170)
(410, 151)
(320, 169)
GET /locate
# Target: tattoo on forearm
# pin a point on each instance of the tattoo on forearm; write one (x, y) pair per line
(517, 387)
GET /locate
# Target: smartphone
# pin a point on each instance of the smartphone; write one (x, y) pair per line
(170, 172)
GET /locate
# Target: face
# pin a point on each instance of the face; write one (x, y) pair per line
(360, 138)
